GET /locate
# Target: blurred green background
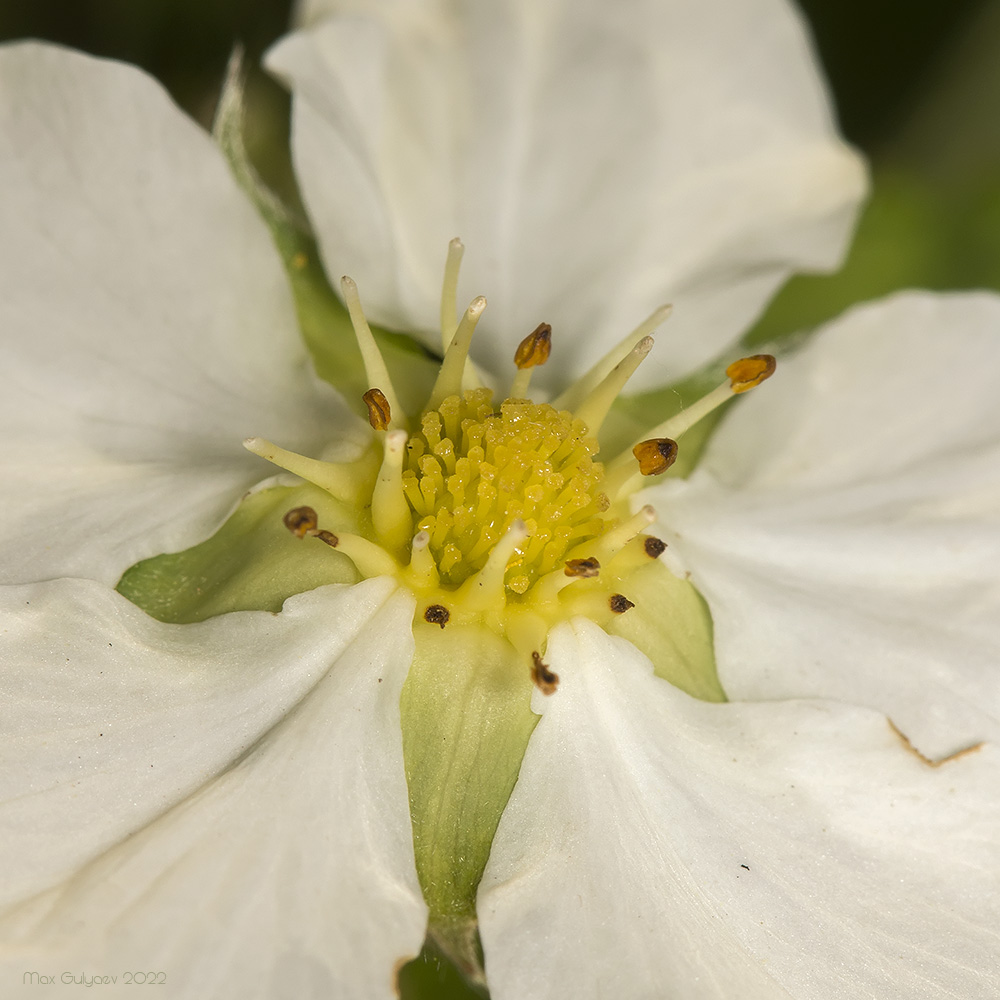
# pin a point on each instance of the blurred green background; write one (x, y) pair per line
(917, 87)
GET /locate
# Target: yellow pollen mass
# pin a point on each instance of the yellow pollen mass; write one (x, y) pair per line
(472, 472)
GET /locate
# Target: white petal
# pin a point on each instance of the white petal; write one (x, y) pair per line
(660, 847)
(147, 325)
(225, 802)
(845, 523)
(597, 159)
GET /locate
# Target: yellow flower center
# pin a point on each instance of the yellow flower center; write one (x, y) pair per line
(472, 473)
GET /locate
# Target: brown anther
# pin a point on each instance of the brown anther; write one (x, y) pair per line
(326, 536)
(654, 547)
(437, 614)
(534, 349)
(543, 678)
(748, 372)
(619, 603)
(655, 455)
(379, 413)
(300, 521)
(584, 568)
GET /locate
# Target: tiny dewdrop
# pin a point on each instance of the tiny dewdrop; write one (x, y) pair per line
(499, 514)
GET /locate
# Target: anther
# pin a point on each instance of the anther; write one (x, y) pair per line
(437, 614)
(379, 411)
(391, 517)
(655, 456)
(749, 372)
(598, 402)
(582, 568)
(375, 368)
(544, 679)
(326, 536)
(619, 603)
(654, 547)
(534, 350)
(300, 521)
(743, 375)
(449, 380)
(572, 397)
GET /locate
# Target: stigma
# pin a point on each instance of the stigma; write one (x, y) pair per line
(499, 508)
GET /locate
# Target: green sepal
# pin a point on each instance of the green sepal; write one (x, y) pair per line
(672, 625)
(466, 720)
(252, 563)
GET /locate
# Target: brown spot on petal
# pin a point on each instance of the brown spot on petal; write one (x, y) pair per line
(437, 614)
(300, 521)
(654, 547)
(583, 567)
(544, 679)
(655, 456)
(379, 413)
(619, 603)
(535, 348)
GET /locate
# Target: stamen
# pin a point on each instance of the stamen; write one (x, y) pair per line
(449, 380)
(619, 604)
(743, 375)
(655, 456)
(343, 481)
(534, 350)
(300, 521)
(375, 368)
(613, 541)
(596, 405)
(654, 547)
(437, 614)
(391, 517)
(379, 411)
(486, 588)
(371, 559)
(582, 568)
(749, 372)
(423, 570)
(449, 293)
(552, 584)
(572, 397)
(543, 678)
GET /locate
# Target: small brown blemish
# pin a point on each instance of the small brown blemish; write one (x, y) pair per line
(654, 547)
(544, 679)
(327, 536)
(749, 372)
(437, 614)
(927, 760)
(619, 603)
(584, 568)
(300, 521)
(299, 261)
(655, 456)
(379, 413)
(535, 348)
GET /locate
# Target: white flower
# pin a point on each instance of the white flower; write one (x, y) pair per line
(226, 801)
